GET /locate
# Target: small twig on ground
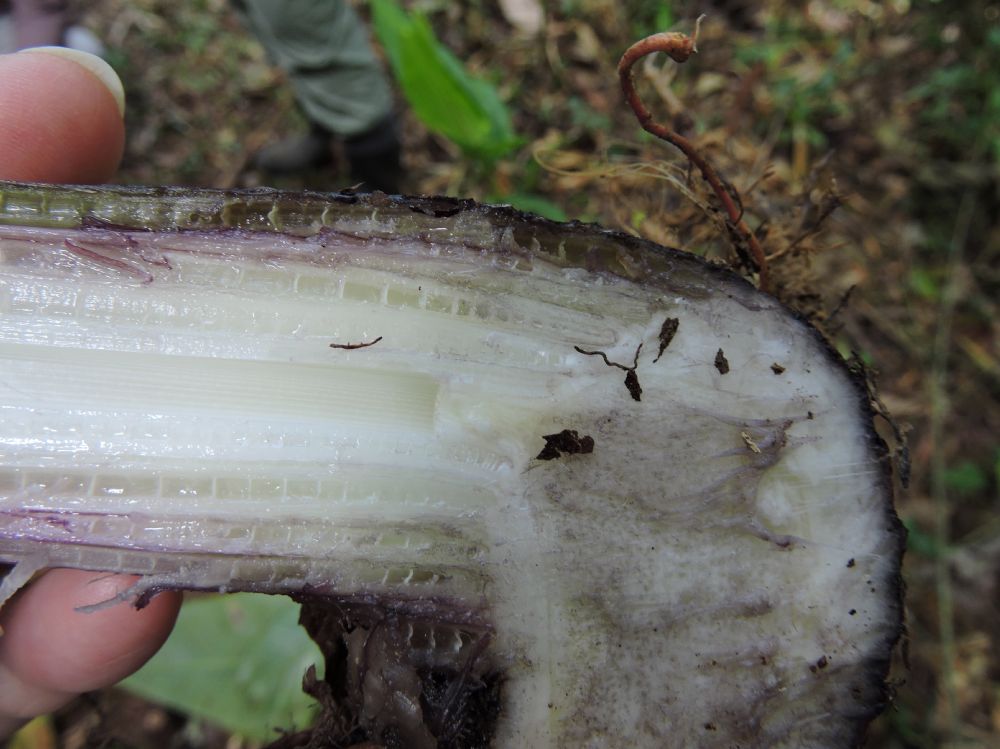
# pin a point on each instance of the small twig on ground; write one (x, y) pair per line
(842, 304)
(679, 47)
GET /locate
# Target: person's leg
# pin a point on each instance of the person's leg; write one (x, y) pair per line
(38, 23)
(44, 23)
(338, 82)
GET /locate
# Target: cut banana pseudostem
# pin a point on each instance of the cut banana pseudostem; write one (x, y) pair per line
(537, 485)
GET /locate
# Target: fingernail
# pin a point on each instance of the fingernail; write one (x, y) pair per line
(104, 72)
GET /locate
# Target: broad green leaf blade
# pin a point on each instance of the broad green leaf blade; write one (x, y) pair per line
(466, 110)
(236, 660)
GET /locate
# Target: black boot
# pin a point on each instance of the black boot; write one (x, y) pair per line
(296, 154)
(374, 158)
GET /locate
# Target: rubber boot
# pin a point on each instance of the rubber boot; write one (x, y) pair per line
(374, 158)
(298, 153)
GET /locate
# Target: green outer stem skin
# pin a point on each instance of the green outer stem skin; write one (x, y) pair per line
(181, 208)
(447, 222)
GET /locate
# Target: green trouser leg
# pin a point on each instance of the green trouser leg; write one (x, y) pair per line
(325, 49)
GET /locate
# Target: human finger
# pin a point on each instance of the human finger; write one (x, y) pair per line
(60, 117)
(50, 651)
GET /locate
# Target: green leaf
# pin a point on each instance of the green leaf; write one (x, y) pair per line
(966, 478)
(237, 661)
(923, 543)
(922, 281)
(449, 101)
(664, 18)
(38, 734)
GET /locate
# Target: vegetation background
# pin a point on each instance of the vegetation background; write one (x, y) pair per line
(887, 112)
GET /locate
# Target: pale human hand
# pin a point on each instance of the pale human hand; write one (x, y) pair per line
(61, 121)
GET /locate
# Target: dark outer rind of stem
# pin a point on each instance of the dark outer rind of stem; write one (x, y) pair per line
(445, 222)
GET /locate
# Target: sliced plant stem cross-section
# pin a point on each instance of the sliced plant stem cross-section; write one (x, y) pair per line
(352, 399)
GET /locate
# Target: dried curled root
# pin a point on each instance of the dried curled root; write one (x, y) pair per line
(679, 47)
